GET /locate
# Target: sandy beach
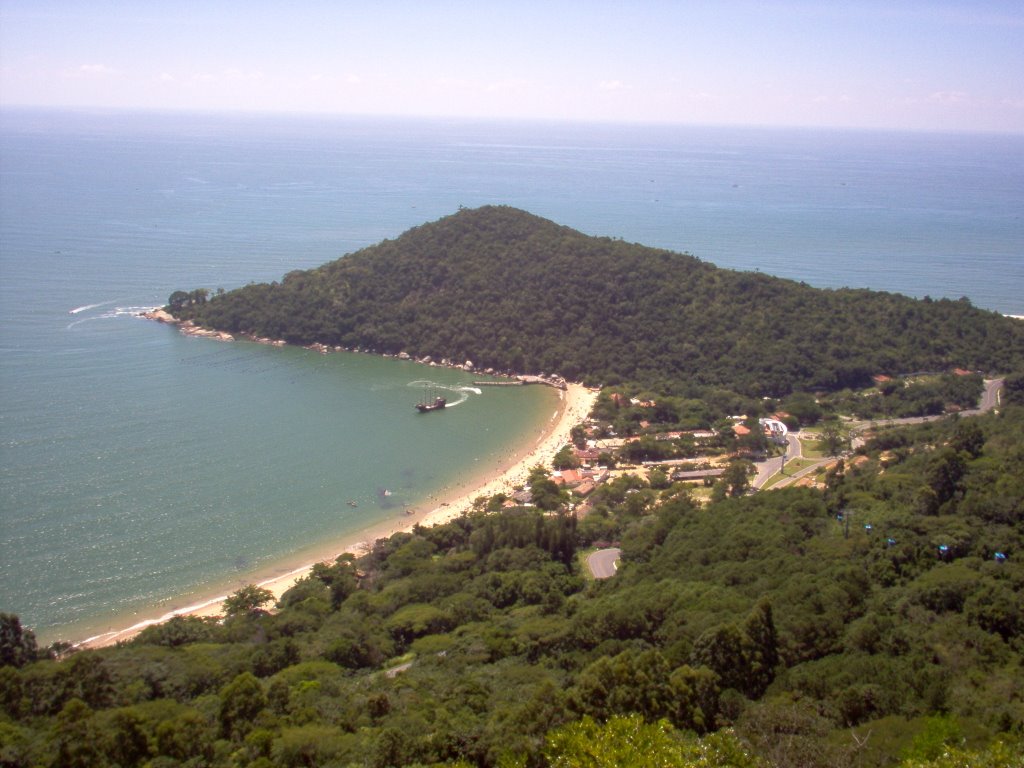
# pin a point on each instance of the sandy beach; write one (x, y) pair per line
(574, 405)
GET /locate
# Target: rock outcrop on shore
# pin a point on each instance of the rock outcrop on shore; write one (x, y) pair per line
(190, 328)
(186, 327)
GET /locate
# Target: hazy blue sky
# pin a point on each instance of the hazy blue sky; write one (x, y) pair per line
(945, 64)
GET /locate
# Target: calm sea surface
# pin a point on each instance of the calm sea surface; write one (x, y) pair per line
(139, 466)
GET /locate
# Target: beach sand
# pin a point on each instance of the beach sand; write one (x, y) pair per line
(575, 403)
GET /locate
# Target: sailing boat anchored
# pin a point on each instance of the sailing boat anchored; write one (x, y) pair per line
(426, 404)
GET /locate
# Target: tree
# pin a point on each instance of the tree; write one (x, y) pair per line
(943, 478)
(736, 477)
(177, 301)
(186, 736)
(832, 438)
(762, 648)
(240, 701)
(939, 733)
(340, 578)
(695, 697)
(723, 651)
(179, 630)
(998, 754)
(753, 442)
(17, 645)
(629, 742)
(803, 407)
(124, 738)
(565, 459)
(75, 736)
(659, 480)
(87, 677)
(248, 600)
(544, 492)
(968, 438)
(11, 691)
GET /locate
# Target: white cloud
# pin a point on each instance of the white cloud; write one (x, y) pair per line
(234, 74)
(91, 70)
(841, 98)
(950, 97)
(611, 85)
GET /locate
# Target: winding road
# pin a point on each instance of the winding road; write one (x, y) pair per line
(604, 562)
(770, 467)
(990, 398)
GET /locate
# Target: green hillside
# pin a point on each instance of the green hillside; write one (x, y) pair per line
(512, 291)
(756, 632)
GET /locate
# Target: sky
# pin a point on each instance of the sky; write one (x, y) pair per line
(943, 65)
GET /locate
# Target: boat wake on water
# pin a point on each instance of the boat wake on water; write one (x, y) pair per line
(454, 395)
(107, 315)
(78, 310)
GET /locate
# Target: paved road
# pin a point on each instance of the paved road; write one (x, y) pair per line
(990, 398)
(769, 467)
(603, 563)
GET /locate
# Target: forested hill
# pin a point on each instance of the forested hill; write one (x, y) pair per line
(510, 290)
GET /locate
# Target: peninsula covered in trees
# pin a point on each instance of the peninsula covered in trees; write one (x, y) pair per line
(512, 291)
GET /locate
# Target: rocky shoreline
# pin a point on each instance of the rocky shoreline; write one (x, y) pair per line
(188, 328)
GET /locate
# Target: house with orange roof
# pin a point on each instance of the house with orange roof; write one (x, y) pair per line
(567, 477)
(584, 489)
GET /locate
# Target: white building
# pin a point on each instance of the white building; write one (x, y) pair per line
(774, 430)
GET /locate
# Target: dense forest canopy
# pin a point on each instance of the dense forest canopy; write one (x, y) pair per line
(512, 291)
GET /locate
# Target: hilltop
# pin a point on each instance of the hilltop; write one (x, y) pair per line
(513, 291)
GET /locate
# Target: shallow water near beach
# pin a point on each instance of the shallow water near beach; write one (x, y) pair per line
(139, 467)
(201, 462)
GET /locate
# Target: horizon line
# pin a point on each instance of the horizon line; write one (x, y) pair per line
(463, 118)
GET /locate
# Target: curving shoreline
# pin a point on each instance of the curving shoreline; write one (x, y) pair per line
(575, 403)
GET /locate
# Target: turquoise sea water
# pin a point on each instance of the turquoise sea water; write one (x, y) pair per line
(139, 466)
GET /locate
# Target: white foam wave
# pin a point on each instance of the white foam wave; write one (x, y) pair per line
(138, 627)
(77, 310)
(132, 311)
(110, 313)
(461, 393)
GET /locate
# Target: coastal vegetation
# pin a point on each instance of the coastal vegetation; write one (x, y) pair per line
(876, 620)
(872, 618)
(512, 291)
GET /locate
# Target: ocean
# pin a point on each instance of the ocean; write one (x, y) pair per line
(141, 468)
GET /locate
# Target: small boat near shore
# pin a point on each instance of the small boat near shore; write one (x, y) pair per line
(432, 402)
(437, 405)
